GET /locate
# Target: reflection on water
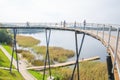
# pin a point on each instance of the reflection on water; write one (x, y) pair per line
(66, 39)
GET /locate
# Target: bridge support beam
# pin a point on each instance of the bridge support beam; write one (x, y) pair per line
(14, 50)
(115, 52)
(78, 51)
(103, 32)
(109, 37)
(47, 57)
(97, 29)
(109, 66)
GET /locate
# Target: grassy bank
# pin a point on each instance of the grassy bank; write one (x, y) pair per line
(9, 50)
(37, 74)
(88, 71)
(56, 53)
(4, 61)
(5, 74)
(26, 41)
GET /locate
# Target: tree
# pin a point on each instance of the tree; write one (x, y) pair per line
(5, 37)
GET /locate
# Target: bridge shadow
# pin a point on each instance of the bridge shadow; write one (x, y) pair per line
(109, 67)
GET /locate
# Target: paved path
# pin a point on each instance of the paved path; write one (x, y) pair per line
(22, 66)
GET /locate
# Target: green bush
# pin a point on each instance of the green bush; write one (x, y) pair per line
(5, 37)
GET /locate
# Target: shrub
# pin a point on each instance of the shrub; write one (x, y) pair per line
(5, 37)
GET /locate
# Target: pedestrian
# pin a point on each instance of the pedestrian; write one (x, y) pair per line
(84, 23)
(64, 23)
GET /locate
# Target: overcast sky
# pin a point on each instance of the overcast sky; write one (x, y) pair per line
(96, 11)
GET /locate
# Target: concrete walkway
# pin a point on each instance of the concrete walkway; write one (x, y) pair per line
(22, 66)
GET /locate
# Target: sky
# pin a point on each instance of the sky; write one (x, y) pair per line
(93, 11)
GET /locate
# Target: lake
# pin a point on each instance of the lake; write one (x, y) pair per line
(66, 39)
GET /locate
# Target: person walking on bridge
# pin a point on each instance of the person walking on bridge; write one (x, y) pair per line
(84, 24)
(64, 24)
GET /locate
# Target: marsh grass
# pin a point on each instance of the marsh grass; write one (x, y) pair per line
(91, 70)
(26, 41)
(31, 58)
(38, 63)
(27, 55)
(56, 53)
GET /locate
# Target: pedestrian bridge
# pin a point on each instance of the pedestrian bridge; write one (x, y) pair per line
(108, 34)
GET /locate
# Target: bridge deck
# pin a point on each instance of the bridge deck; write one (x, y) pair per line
(111, 48)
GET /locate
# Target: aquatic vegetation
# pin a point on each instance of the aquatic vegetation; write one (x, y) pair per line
(90, 70)
(56, 53)
(26, 41)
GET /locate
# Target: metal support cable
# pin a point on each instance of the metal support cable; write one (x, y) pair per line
(78, 54)
(14, 50)
(47, 57)
(77, 64)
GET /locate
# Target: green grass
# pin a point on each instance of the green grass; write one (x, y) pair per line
(36, 74)
(56, 53)
(4, 61)
(9, 50)
(92, 70)
(26, 41)
(6, 75)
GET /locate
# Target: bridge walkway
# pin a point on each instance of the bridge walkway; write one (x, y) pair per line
(111, 47)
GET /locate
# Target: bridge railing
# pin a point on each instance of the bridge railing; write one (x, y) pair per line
(110, 35)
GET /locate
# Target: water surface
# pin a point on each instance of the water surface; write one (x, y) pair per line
(66, 39)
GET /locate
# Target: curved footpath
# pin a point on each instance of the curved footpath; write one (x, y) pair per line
(22, 66)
